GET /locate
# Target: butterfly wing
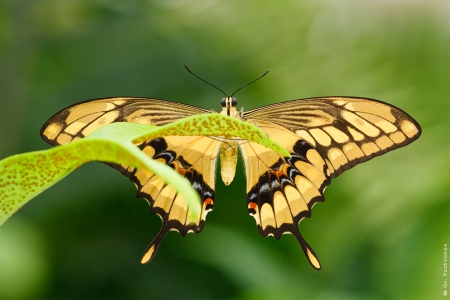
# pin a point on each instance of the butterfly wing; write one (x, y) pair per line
(193, 157)
(325, 137)
(344, 130)
(77, 121)
(281, 191)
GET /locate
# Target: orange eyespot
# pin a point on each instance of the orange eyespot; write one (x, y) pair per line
(252, 205)
(279, 174)
(208, 204)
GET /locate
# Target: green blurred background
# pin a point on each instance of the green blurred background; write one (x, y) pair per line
(379, 235)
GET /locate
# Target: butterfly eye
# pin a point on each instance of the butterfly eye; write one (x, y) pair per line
(223, 102)
(233, 101)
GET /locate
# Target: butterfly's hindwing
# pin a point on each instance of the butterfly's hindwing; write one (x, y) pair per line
(281, 191)
(192, 157)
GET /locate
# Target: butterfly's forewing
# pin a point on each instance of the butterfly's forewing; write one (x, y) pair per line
(77, 121)
(325, 137)
(193, 157)
(344, 130)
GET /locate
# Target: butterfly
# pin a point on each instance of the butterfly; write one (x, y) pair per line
(325, 137)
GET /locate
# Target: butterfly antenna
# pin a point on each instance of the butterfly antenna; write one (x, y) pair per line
(205, 80)
(250, 82)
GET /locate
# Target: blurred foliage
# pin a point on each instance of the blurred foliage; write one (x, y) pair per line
(379, 235)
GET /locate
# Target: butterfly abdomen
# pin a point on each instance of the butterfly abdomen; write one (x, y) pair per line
(228, 160)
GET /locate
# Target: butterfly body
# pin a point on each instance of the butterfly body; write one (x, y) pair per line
(325, 136)
(228, 160)
(229, 147)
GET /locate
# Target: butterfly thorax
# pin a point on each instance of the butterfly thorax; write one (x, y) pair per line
(229, 148)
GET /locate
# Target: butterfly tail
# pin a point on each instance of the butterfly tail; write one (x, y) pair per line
(312, 257)
(154, 245)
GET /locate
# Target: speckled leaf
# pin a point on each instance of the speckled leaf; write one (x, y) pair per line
(216, 125)
(24, 176)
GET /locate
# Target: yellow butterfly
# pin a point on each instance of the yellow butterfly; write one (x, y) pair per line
(325, 136)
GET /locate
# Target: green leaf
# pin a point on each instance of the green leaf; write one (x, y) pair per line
(24, 176)
(216, 125)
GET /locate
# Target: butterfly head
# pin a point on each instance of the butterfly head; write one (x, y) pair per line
(228, 102)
